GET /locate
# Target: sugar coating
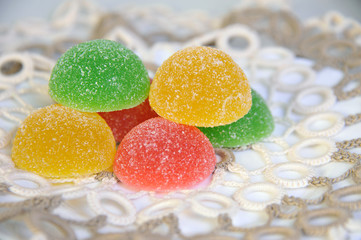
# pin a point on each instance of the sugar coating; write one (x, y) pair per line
(99, 76)
(200, 86)
(256, 125)
(161, 155)
(121, 122)
(57, 141)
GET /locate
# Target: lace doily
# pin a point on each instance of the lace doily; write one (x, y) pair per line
(303, 181)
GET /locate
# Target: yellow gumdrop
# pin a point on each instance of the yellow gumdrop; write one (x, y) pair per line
(200, 86)
(60, 142)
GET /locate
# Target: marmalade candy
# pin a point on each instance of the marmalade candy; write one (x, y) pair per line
(200, 86)
(256, 125)
(99, 76)
(160, 155)
(59, 142)
(122, 121)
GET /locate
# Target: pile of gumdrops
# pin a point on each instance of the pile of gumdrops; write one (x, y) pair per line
(166, 127)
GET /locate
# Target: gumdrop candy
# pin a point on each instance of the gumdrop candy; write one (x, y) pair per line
(161, 155)
(200, 86)
(121, 122)
(256, 125)
(99, 76)
(59, 142)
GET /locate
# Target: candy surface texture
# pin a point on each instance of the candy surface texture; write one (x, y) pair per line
(99, 76)
(256, 125)
(161, 155)
(200, 86)
(57, 141)
(121, 122)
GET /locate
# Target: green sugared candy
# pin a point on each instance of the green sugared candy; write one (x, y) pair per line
(99, 76)
(256, 125)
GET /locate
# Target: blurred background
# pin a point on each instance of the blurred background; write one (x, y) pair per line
(13, 10)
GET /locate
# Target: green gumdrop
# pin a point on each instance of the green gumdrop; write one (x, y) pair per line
(256, 125)
(99, 76)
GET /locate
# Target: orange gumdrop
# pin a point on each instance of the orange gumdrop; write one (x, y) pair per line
(60, 142)
(200, 86)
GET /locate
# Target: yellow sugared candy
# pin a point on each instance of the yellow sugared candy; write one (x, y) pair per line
(60, 142)
(200, 86)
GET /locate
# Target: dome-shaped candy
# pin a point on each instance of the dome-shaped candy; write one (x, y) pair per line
(99, 76)
(200, 86)
(57, 141)
(254, 126)
(162, 155)
(121, 122)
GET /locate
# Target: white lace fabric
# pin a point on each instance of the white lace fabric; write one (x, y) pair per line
(307, 171)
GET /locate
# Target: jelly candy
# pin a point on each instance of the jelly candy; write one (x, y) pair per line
(254, 126)
(162, 155)
(121, 122)
(59, 142)
(200, 86)
(99, 76)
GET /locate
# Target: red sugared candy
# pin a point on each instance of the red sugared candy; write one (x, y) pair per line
(160, 155)
(121, 122)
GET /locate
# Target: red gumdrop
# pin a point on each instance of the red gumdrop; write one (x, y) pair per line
(121, 122)
(160, 155)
